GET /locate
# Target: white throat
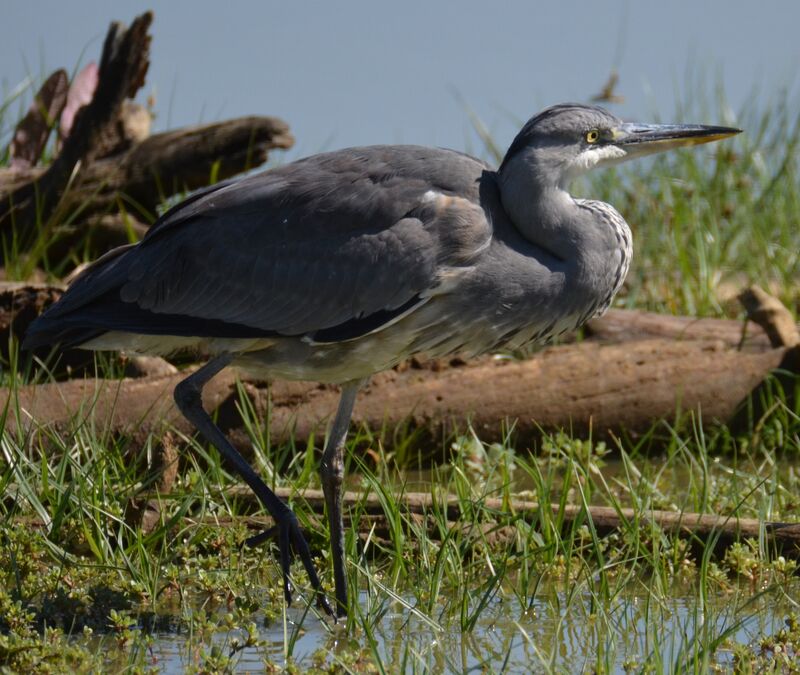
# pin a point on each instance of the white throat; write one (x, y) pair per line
(595, 156)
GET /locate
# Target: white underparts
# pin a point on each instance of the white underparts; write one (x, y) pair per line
(137, 343)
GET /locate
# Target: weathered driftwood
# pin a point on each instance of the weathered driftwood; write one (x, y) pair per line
(770, 313)
(122, 70)
(33, 130)
(132, 126)
(624, 325)
(145, 173)
(606, 389)
(109, 163)
(135, 407)
(176, 161)
(21, 303)
(717, 530)
(770, 325)
(779, 325)
(582, 387)
(366, 513)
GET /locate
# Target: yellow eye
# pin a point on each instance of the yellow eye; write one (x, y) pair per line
(592, 136)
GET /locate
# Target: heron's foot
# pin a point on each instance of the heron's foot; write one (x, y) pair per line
(261, 537)
(290, 542)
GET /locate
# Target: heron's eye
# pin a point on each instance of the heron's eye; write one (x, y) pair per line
(592, 136)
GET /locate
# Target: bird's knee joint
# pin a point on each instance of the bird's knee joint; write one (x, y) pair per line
(187, 396)
(333, 472)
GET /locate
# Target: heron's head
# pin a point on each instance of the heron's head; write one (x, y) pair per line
(567, 140)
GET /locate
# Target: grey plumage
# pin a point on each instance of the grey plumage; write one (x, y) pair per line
(342, 264)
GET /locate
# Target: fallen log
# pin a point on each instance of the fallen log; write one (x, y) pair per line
(131, 407)
(22, 302)
(586, 388)
(718, 530)
(625, 325)
(769, 324)
(365, 511)
(782, 331)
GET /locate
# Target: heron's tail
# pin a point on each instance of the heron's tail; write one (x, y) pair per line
(62, 323)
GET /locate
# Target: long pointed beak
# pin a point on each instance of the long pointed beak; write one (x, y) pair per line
(644, 139)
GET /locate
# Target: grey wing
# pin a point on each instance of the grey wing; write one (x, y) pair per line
(214, 270)
(336, 244)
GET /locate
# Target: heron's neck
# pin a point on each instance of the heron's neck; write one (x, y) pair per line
(545, 213)
(590, 238)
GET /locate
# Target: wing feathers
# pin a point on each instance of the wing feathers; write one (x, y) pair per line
(331, 245)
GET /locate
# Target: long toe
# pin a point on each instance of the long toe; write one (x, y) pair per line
(301, 546)
(290, 542)
(284, 537)
(261, 537)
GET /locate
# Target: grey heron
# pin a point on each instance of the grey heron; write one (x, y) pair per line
(339, 265)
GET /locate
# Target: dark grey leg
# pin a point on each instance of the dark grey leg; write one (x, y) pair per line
(188, 399)
(332, 475)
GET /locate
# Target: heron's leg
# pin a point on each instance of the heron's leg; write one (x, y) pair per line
(189, 401)
(332, 475)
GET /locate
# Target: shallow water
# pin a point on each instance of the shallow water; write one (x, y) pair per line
(559, 633)
(557, 628)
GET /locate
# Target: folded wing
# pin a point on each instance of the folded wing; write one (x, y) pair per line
(334, 245)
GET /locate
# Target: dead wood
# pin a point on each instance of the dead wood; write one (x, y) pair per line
(132, 407)
(21, 303)
(624, 325)
(109, 162)
(122, 70)
(608, 389)
(31, 134)
(770, 313)
(365, 511)
(140, 178)
(779, 325)
(177, 161)
(718, 530)
(131, 126)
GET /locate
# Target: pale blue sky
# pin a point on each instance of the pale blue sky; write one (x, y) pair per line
(350, 73)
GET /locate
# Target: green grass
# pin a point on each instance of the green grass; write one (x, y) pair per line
(83, 590)
(435, 593)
